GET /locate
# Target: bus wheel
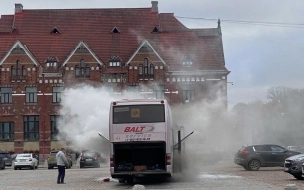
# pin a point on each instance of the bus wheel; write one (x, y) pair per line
(130, 180)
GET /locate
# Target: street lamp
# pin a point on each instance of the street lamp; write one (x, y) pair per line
(43, 116)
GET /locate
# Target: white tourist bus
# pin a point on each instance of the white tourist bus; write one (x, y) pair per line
(141, 139)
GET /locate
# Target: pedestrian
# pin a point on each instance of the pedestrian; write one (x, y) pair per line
(61, 163)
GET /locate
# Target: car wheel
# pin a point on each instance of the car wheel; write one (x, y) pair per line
(121, 180)
(15, 168)
(81, 166)
(298, 177)
(254, 165)
(246, 168)
(36, 167)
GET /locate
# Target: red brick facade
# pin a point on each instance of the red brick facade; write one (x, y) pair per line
(115, 53)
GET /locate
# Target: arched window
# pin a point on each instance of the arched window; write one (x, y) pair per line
(13, 71)
(18, 69)
(151, 69)
(77, 71)
(87, 71)
(82, 72)
(81, 63)
(140, 69)
(146, 67)
(23, 71)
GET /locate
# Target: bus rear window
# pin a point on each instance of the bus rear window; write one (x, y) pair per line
(138, 114)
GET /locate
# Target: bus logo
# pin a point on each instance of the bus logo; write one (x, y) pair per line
(138, 129)
(135, 113)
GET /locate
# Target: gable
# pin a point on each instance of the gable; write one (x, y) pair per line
(145, 47)
(19, 49)
(82, 48)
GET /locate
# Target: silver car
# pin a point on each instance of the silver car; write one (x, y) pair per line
(27, 160)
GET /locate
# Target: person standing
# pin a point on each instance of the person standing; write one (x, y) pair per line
(61, 163)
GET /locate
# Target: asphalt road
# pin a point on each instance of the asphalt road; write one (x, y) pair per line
(223, 175)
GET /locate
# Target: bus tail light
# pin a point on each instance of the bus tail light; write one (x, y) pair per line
(168, 159)
(111, 161)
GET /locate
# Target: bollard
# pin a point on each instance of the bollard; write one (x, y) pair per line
(291, 187)
(138, 187)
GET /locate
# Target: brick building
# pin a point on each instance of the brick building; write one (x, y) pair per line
(126, 49)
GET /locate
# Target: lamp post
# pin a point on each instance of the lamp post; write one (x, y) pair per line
(43, 117)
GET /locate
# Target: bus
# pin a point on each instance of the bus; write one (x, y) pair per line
(141, 139)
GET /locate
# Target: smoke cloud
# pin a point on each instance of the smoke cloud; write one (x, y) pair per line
(85, 112)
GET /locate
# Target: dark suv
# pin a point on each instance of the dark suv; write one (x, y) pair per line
(90, 158)
(6, 158)
(268, 155)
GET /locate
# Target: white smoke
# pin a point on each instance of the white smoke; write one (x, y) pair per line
(85, 115)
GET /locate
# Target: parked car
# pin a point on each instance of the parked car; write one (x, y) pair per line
(52, 162)
(27, 160)
(2, 164)
(90, 158)
(268, 155)
(7, 158)
(293, 165)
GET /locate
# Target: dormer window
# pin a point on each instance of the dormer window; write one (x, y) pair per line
(187, 61)
(55, 31)
(114, 61)
(51, 64)
(115, 30)
(155, 30)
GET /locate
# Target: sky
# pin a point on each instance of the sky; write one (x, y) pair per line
(258, 54)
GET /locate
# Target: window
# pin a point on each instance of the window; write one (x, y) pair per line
(77, 71)
(57, 90)
(87, 72)
(140, 69)
(187, 61)
(31, 128)
(82, 71)
(54, 126)
(151, 69)
(114, 64)
(277, 148)
(139, 114)
(6, 96)
(18, 72)
(13, 71)
(188, 95)
(7, 131)
(23, 71)
(146, 67)
(145, 70)
(31, 94)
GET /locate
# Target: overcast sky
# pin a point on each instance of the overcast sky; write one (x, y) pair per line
(259, 56)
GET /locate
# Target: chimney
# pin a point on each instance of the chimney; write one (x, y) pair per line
(154, 6)
(18, 8)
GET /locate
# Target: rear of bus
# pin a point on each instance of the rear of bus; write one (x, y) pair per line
(140, 138)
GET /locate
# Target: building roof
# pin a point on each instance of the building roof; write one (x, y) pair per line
(95, 28)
